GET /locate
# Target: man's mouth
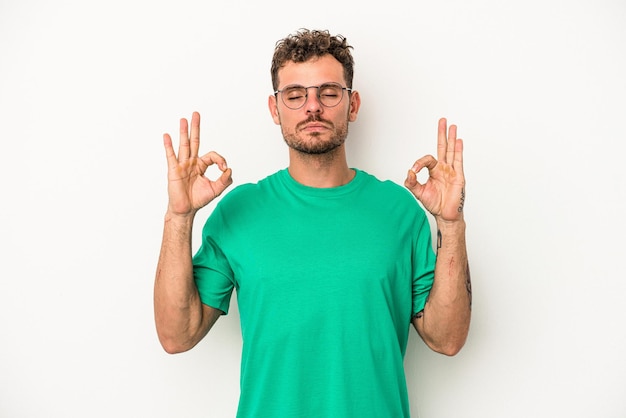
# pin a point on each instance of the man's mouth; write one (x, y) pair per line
(314, 123)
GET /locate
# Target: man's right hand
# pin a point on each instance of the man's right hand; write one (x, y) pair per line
(188, 188)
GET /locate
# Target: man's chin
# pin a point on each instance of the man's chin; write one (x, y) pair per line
(314, 148)
(314, 143)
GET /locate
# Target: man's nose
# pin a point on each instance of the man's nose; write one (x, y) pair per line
(313, 104)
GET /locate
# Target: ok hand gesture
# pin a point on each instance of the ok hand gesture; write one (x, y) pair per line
(443, 194)
(188, 189)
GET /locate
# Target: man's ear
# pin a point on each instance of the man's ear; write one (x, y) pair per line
(355, 104)
(273, 107)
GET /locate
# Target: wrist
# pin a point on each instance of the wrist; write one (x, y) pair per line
(179, 219)
(446, 227)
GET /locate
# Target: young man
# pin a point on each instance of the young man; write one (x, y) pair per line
(330, 265)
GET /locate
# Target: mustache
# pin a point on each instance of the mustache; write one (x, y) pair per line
(314, 118)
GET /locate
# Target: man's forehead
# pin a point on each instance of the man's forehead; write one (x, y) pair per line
(312, 72)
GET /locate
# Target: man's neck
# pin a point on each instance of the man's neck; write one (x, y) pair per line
(320, 170)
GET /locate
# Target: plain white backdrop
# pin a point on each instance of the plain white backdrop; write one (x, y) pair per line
(87, 88)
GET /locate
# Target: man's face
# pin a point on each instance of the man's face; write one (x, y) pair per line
(314, 128)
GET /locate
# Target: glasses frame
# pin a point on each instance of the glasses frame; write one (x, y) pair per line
(306, 94)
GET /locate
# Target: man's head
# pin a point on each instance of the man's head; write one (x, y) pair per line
(313, 101)
(307, 44)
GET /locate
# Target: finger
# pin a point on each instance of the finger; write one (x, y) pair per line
(427, 161)
(451, 144)
(183, 145)
(458, 156)
(195, 135)
(169, 151)
(442, 142)
(213, 157)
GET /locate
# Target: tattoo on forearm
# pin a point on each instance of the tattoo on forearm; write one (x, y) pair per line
(438, 240)
(468, 286)
(460, 209)
(420, 314)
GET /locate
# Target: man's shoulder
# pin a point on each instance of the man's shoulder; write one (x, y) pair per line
(251, 190)
(384, 185)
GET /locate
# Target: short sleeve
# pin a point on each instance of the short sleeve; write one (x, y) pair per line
(211, 269)
(424, 259)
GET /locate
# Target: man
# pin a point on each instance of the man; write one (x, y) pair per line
(330, 265)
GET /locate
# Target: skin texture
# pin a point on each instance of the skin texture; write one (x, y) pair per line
(315, 136)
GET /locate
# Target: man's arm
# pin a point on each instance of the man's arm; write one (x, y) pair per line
(181, 318)
(444, 322)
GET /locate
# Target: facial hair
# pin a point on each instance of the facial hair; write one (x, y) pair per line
(312, 143)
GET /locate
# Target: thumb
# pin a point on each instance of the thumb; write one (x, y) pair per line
(412, 184)
(411, 179)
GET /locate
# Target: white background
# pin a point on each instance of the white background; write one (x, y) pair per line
(88, 88)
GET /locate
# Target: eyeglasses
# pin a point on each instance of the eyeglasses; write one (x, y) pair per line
(329, 95)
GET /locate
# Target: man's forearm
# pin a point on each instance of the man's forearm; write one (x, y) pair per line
(444, 323)
(177, 306)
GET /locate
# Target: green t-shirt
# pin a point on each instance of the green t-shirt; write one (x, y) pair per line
(327, 281)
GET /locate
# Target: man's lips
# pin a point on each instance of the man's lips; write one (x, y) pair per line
(314, 126)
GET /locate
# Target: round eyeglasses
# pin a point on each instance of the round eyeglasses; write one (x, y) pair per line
(328, 94)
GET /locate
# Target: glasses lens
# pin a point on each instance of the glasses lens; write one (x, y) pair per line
(330, 94)
(294, 97)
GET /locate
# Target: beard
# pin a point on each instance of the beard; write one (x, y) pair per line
(313, 144)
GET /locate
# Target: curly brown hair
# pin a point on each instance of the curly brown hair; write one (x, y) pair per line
(306, 44)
